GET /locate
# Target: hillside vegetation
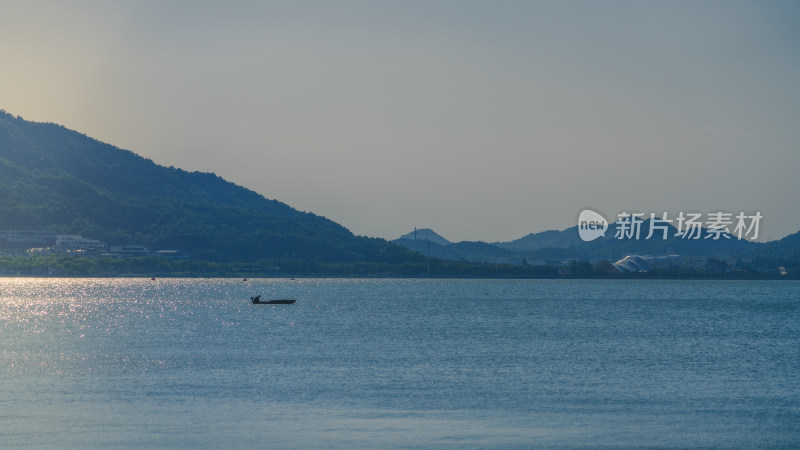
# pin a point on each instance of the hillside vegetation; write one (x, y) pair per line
(57, 179)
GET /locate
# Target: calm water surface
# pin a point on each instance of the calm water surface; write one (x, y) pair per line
(97, 363)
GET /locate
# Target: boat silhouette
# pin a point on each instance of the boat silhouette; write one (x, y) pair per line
(283, 301)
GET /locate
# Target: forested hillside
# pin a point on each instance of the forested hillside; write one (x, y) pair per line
(58, 179)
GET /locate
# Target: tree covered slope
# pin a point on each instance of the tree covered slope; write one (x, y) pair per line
(58, 179)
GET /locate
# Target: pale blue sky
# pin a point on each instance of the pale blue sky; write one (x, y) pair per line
(483, 120)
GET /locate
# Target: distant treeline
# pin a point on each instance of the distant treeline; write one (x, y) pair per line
(72, 266)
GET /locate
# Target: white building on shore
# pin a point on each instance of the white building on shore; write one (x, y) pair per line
(75, 243)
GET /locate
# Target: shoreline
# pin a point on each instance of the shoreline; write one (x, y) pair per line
(719, 277)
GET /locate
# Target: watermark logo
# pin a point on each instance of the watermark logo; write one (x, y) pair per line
(686, 226)
(591, 225)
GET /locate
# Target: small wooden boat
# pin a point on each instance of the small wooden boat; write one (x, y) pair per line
(257, 301)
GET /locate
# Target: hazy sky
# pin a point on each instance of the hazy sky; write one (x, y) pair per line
(482, 120)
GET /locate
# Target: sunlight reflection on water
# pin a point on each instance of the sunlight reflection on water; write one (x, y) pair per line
(372, 363)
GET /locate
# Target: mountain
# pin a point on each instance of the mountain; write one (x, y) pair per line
(53, 178)
(461, 251)
(569, 242)
(62, 181)
(428, 242)
(783, 252)
(556, 247)
(428, 248)
(424, 234)
(544, 239)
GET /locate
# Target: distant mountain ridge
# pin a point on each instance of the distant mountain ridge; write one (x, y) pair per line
(555, 247)
(426, 234)
(57, 179)
(544, 239)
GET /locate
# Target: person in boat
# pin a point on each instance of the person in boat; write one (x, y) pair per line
(256, 299)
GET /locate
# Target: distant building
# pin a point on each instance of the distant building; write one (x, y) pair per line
(40, 251)
(130, 251)
(75, 243)
(640, 263)
(172, 254)
(632, 263)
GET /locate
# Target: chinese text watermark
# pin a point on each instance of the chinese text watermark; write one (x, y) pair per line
(715, 225)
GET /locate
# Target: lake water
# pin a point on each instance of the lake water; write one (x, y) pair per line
(97, 363)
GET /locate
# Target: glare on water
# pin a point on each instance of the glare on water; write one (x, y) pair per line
(371, 363)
